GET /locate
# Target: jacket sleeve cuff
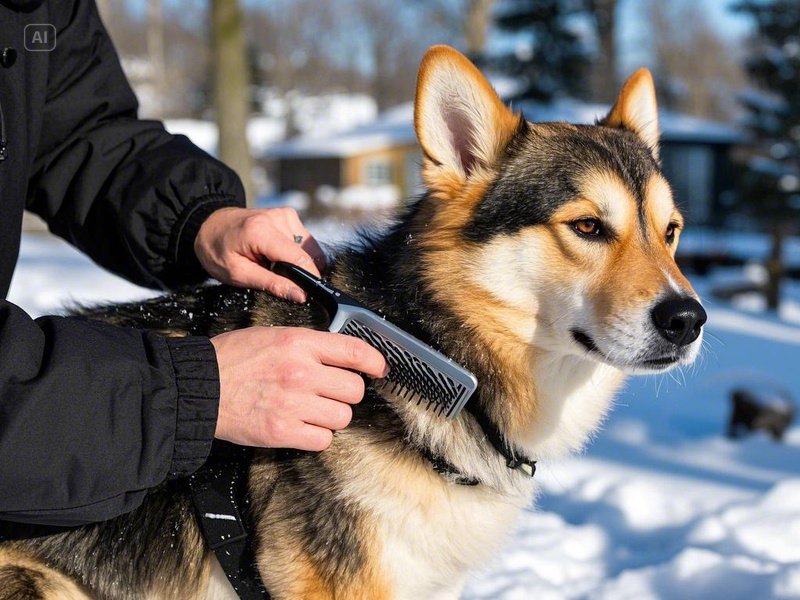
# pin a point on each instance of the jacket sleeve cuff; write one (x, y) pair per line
(197, 377)
(185, 266)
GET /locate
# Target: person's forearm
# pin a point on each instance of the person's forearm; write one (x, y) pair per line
(123, 190)
(93, 416)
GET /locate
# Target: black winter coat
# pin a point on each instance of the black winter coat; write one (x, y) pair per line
(92, 416)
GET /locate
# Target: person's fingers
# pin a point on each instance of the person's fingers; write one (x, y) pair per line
(341, 385)
(315, 251)
(309, 244)
(339, 350)
(311, 438)
(324, 412)
(280, 247)
(252, 275)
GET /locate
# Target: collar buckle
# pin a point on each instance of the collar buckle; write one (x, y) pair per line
(526, 466)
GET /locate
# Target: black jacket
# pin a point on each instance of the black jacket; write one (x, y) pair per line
(92, 416)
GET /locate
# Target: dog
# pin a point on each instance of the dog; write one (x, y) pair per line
(541, 257)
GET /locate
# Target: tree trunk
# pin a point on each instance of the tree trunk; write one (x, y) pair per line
(231, 88)
(380, 81)
(772, 291)
(604, 71)
(157, 56)
(476, 26)
(104, 8)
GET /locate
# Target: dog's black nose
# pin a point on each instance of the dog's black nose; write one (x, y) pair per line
(679, 319)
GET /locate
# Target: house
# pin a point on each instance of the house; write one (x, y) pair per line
(378, 154)
(694, 152)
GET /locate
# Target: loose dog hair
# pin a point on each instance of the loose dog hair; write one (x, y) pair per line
(541, 257)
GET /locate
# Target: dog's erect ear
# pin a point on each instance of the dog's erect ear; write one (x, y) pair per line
(636, 109)
(460, 122)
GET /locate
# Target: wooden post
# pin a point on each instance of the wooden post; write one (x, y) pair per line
(476, 27)
(157, 55)
(231, 88)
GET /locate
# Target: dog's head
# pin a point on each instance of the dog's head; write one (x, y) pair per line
(567, 231)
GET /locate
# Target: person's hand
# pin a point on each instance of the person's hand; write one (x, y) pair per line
(283, 387)
(233, 242)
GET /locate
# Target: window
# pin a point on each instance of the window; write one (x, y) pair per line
(690, 170)
(379, 172)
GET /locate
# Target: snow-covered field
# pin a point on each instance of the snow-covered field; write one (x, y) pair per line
(662, 505)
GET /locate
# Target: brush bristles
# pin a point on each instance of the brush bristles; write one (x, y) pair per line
(410, 376)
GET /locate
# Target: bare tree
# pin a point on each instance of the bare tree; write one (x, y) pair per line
(104, 8)
(604, 69)
(476, 26)
(231, 88)
(156, 55)
(696, 66)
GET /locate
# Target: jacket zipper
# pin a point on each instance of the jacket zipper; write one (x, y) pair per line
(3, 142)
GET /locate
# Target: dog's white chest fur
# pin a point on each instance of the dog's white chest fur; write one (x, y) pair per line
(574, 395)
(428, 549)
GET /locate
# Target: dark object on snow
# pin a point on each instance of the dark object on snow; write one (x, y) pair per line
(754, 411)
(703, 262)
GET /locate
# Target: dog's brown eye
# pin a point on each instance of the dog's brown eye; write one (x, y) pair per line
(587, 227)
(671, 229)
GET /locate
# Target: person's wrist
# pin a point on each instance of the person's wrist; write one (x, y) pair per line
(194, 218)
(212, 224)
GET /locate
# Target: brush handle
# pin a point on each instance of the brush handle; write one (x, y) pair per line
(319, 291)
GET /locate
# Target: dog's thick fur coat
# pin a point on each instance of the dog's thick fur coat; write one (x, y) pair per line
(501, 267)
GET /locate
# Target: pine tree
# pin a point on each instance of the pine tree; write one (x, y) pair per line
(771, 182)
(549, 55)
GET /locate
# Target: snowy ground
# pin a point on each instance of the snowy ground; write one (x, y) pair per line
(661, 506)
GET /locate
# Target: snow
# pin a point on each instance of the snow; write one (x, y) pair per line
(314, 116)
(294, 199)
(393, 128)
(330, 113)
(661, 506)
(359, 197)
(262, 132)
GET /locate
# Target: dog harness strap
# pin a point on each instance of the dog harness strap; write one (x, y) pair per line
(219, 494)
(514, 459)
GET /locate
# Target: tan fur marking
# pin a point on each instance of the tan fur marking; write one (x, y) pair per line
(660, 209)
(479, 310)
(50, 583)
(475, 306)
(285, 567)
(289, 574)
(615, 205)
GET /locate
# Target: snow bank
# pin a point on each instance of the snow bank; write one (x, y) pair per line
(359, 197)
(262, 133)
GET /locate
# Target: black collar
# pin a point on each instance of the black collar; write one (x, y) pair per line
(514, 458)
(446, 469)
